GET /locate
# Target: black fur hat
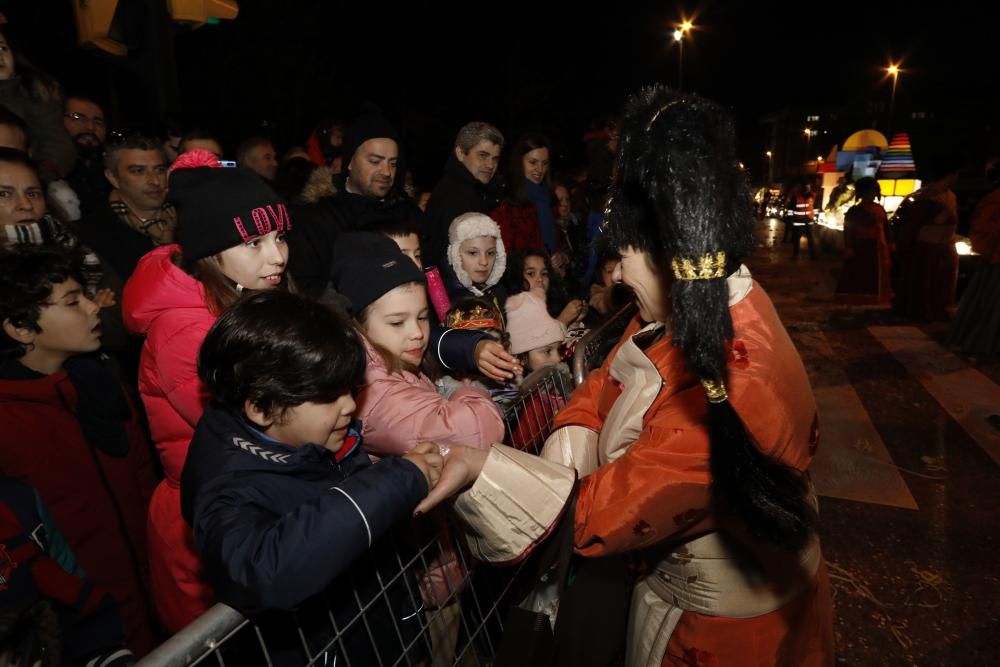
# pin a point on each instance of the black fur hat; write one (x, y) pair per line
(678, 188)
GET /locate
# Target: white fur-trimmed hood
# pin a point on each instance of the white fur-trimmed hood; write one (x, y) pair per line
(472, 226)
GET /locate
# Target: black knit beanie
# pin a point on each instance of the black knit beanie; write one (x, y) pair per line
(367, 266)
(218, 208)
(370, 124)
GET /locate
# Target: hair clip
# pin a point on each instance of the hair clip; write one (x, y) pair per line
(707, 267)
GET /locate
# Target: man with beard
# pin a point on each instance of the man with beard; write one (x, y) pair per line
(369, 199)
(85, 122)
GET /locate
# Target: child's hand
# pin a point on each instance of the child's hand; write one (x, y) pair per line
(104, 298)
(495, 362)
(462, 466)
(427, 456)
(573, 312)
(559, 262)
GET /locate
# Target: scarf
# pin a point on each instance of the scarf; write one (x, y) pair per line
(541, 198)
(159, 228)
(48, 231)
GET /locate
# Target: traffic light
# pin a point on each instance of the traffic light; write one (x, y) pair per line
(96, 25)
(200, 12)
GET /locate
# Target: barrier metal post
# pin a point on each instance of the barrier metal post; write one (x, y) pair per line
(595, 346)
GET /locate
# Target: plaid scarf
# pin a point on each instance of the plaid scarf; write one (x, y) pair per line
(159, 228)
(49, 231)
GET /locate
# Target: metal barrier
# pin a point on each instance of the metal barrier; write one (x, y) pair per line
(592, 349)
(543, 393)
(419, 600)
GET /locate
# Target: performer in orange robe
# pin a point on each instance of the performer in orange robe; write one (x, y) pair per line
(692, 441)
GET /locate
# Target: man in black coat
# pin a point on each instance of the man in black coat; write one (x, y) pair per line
(372, 201)
(464, 187)
(370, 198)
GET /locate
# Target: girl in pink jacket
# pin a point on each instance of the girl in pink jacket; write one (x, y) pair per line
(231, 233)
(399, 405)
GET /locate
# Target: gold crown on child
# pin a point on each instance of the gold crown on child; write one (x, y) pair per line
(476, 317)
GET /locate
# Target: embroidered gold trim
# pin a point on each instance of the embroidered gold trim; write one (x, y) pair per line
(706, 267)
(716, 391)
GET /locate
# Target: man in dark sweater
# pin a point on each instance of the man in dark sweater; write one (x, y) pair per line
(464, 187)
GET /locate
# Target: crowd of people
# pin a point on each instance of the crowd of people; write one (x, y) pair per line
(228, 384)
(910, 261)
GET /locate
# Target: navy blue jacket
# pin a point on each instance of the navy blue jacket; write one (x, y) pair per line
(276, 524)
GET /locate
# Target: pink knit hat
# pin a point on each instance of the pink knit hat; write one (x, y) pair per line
(529, 324)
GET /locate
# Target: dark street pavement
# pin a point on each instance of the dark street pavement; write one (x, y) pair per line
(908, 470)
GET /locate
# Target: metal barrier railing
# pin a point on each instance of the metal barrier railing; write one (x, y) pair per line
(593, 348)
(432, 604)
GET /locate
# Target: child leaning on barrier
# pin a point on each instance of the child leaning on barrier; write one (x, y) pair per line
(281, 496)
(536, 339)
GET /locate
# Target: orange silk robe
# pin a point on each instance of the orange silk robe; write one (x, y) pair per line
(645, 490)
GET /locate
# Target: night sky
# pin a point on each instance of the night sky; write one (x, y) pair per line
(531, 65)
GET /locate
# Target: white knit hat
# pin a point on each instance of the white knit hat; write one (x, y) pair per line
(529, 324)
(473, 226)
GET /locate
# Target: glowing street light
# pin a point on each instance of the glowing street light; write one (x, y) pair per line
(682, 29)
(893, 71)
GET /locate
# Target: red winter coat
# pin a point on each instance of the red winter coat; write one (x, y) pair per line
(518, 227)
(166, 305)
(97, 500)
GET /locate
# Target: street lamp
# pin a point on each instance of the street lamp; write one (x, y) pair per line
(809, 132)
(893, 71)
(683, 28)
(770, 170)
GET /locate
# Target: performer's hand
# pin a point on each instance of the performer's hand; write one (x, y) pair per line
(462, 466)
(427, 456)
(495, 362)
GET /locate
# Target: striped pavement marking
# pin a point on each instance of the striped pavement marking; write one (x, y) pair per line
(968, 396)
(852, 462)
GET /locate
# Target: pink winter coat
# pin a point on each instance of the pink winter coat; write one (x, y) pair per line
(398, 411)
(167, 306)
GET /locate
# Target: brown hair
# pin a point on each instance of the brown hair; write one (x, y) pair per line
(220, 291)
(393, 364)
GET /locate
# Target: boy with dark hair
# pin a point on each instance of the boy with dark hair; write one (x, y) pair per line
(406, 234)
(278, 490)
(69, 430)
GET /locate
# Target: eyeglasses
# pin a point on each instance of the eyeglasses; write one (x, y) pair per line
(84, 118)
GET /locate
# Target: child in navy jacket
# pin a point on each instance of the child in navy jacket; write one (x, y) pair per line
(280, 495)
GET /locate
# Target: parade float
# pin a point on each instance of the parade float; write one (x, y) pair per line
(866, 153)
